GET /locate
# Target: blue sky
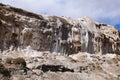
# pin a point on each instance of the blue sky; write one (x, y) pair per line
(117, 26)
(105, 11)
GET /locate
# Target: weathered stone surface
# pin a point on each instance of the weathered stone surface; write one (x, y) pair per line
(63, 35)
(52, 67)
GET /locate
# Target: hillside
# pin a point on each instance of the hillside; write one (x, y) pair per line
(42, 47)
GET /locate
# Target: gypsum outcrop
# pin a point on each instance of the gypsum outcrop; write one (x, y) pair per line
(20, 28)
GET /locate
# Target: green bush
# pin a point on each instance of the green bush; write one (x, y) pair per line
(19, 61)
(9, 60)
(4, 71)
(1, 65)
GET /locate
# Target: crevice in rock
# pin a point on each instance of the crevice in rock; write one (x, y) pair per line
(55, 68)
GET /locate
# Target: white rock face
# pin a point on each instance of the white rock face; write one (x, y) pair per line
(56, 34)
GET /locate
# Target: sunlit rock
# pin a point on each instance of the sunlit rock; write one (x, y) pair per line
(66, 36)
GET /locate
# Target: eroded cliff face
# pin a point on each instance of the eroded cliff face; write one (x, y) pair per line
(20, 28)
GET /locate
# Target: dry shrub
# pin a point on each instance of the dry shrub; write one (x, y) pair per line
(19, 61)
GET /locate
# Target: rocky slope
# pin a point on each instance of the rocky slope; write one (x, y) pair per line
(44, 41)
(36, 65)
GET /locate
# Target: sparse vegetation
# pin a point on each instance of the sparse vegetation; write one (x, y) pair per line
(4, 71)
(19, 61)
(98, 66)
(9, 60)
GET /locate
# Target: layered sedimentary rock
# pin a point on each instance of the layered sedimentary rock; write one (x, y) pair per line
(20, 28)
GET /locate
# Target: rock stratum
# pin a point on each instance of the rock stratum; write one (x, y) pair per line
(41, 47)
